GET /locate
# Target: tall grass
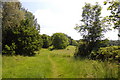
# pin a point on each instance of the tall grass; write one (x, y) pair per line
(58, 62)
(26, 67)
(83, 68)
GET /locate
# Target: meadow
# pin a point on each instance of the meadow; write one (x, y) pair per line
(56, 64)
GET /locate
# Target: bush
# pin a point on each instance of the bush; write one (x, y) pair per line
(22, 40)
(81, 49)
(107, 53)
(85, 49)
(74, 43)
(114, 42)
(59, 41)
(46, 41)
(10, 50)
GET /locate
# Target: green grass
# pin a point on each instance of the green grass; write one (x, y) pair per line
(56, 64)
(26, 67)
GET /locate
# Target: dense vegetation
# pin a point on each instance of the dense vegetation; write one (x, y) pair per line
(59, 41)
(107, 53)
(92, 29)
(47, 41)
(114, 43)
(20, 30)
(90, 57)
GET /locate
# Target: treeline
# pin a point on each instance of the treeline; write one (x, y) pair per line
(58, 41)
(21, 32)
(92, 29)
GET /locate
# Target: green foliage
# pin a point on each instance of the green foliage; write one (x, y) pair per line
(30, 40)
(82, 49)
(11, 15)
(26, 39)
(69, 39)
(107, 53)
(74, 43)
(46, 41)
(114, 43)
(103, 43)
(10, 49)
(85, 49)
(114, 16)
(91, 28)
(59, 41)
(20, 30)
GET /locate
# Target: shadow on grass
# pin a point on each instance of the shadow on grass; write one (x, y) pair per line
(25, 55)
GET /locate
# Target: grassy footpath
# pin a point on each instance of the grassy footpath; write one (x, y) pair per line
(56, 63)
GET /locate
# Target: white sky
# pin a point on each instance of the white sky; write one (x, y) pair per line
(62, 16)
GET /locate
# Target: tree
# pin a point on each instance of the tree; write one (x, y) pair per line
(32, 20)
(23, 40)
(59, 40)
(11, 15)
(91, 27)
(114, 17)
(27, 39)
(11, 18)
(20, 33)
(69, 39)
(74, 43)
(46, 41)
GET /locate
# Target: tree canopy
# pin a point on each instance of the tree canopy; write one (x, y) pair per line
(46, 41)
(59, 40)
(91, 28)
(20, 30)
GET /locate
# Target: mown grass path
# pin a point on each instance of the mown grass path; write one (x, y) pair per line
(54, 67)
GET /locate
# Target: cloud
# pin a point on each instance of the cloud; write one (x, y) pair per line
(57, 22)
(63, 15)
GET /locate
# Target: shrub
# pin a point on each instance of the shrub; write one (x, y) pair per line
(81, 49)
(59, 41)
(85, 48)
(107, 53)
(10, 50)
(74, 43)
(46, 41)
(22, 40)
(114, 42)
(29, 42)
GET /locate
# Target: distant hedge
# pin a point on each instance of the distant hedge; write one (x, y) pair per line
(59, 41)
(46, 41)
(107, 53)
(74, 43)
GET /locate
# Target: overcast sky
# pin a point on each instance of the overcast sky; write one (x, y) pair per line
(62, 16)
